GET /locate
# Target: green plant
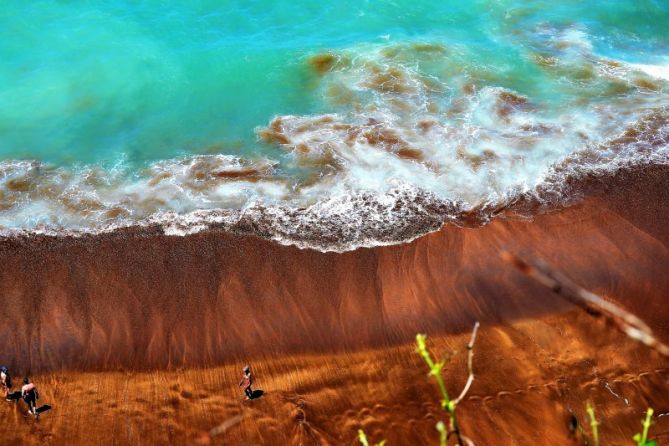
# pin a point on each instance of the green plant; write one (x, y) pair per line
(594, 424)
(448, 404)
(443, 434)
(363, 439)
(641, 439)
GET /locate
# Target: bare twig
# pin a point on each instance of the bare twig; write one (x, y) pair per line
(227, 424)
(447, 403)
(625, 321)
(207, 437)
(470, 366)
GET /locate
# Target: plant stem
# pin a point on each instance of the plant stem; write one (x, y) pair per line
(593, 424)
(435, 371)
(646, 425)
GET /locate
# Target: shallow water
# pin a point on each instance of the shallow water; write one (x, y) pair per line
(114, 114)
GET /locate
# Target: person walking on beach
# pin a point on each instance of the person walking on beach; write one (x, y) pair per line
(5, 382)
(30, 395)
(247, 380)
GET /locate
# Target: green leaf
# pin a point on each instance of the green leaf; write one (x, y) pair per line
(420, 341)
(362, 437)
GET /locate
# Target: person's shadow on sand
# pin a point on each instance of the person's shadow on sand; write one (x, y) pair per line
(256, 394)
(43, 408)
(15, 396)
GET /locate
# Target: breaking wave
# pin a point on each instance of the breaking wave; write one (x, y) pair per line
(420, 135)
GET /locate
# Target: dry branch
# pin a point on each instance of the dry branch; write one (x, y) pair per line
(470, 366)
(227, 424)
(564, 287)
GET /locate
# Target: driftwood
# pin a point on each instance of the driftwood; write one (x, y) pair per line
(593, 304)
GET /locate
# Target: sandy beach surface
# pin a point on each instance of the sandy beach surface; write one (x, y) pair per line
(139, 338)
(531, 377)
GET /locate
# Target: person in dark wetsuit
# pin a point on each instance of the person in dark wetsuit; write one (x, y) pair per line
(5, 382)
(247, 381)
(30, 395)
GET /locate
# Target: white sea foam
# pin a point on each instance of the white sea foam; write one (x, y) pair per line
(405, 151)
(657, 71)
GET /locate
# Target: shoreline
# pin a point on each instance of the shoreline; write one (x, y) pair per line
(371, 220)
(144, 300)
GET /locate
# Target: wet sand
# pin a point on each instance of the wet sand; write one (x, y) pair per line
(142, 318)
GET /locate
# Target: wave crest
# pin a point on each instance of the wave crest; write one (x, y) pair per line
(415, 139)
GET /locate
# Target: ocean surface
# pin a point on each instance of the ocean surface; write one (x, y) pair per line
(332, 125)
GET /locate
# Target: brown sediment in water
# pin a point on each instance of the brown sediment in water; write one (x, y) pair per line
(139, 300)
(322, 63)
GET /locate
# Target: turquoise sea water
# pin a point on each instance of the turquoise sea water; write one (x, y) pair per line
(131, 89)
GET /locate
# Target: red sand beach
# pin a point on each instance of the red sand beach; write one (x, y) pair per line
(138, 338)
